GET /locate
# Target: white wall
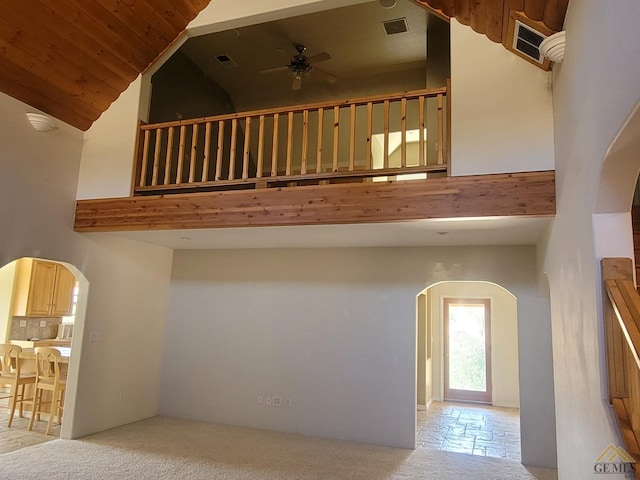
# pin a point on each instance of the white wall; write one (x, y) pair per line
(594, 90)
(335, 331)
(502, 116)
(108, 149)
(504, 338)
(128, 280)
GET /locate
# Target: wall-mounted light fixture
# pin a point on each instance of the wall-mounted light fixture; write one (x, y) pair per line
(552, 47)
(40, 122)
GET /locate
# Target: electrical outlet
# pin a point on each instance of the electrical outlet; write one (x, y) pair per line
(287, 402)
(43, 323)
(122, 397)
(23, 323)
(260, 399)
(268, 400)
(94, 336)
(276, 401)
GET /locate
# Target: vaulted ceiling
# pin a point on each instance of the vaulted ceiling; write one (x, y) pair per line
(73, 58)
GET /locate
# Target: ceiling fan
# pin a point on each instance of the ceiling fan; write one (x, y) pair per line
(301, 66)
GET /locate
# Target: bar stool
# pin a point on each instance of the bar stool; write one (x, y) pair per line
(10, 374)
(48, 378)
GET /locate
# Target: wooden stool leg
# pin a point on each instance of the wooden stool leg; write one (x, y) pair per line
(53, 411)
(12, 404)
(36, 404)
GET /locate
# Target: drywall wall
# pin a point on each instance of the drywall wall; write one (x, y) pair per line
(421, 317)
(504, 337)
(128, 281)
(502, 116)
(334, 330)
(108, 148)
(589, 110)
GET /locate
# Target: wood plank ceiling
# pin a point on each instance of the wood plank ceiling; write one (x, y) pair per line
(491, 17)
(73, 58)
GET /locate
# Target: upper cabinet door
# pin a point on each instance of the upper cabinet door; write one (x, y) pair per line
(43, 276)
(63, 287)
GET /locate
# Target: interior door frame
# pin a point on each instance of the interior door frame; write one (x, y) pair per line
(467, 395)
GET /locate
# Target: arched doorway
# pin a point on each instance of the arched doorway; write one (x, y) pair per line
(43, 303)
(501, 403)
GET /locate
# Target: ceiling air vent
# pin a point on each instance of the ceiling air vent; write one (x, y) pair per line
(399, 25)
(226, 61)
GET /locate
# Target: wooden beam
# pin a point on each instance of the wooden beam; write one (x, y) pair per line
(518, 194)
(495, 11)
(534, 9)
(478, 15)
(463, 12)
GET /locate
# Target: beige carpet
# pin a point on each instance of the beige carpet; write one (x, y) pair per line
(167, 448)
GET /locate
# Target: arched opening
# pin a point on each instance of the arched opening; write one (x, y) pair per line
(448, 423)
(43, 303)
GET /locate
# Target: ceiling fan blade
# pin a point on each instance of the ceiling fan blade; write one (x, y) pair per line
(320, 57)
(297, 84)
(275, 69)
(282, 51)
(325, 75)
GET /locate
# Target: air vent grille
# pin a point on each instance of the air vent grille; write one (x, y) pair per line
(226, 61)
(393, 27)
(527, 41)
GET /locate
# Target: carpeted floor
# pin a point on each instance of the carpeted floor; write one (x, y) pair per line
(167, 448)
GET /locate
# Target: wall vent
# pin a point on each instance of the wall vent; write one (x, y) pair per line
(527, 41)
(393, 27)
(226, 61)
(524, 37)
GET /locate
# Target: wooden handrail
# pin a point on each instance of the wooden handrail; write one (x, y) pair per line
(427, 93)
(297, 145)
(622, 330)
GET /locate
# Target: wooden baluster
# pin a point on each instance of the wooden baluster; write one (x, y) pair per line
(421, 123)
(219, 150)
(369, 135)
(156, 157)
(336, 133)
(305, 141)
(403, 129)
(289, 143)
(207, 153)
(274, 150)
(260, 148)
(386, 135)
(232, 155)
(440, 130)
(183, 131)
(320, 131)
(145, 154)
(247, 145)
(194, 153)
(167, 160)
(352, 137)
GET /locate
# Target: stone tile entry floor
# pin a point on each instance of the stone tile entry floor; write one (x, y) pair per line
(18, 436)
(470, 428)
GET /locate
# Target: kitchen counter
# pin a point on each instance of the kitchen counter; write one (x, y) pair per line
(45, 342)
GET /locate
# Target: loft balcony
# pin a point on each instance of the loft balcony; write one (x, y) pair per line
(373, 159)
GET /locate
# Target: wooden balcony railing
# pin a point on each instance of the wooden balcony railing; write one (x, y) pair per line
(350, 141)
(622, 331)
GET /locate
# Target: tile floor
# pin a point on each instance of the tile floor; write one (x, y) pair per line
(470, 428)
(18, 436)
